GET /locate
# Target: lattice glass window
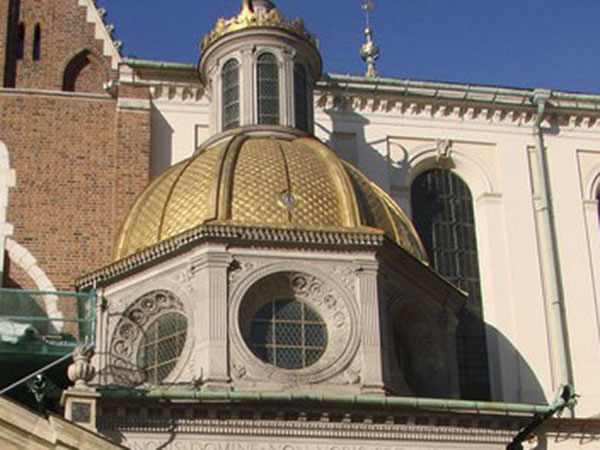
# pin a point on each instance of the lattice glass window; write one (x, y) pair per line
(288, 334)
(300, 97)
(230, 87)
(161, 346)
(442, 208)
(267, 78)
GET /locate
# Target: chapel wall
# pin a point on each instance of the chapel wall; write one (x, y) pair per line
(3, 28)
(65, 32)
(496, 158)
(79, 163)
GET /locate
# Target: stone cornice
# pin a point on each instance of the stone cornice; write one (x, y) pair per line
(361, 432)
(332, 420)
(451, 110)
(241, 235)
(453, 102)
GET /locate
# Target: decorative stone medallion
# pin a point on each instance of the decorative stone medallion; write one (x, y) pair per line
(154, 313)
(326, 324)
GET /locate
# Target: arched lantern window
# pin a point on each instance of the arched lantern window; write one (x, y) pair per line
(230, 87)
(300, 97)
(443, 215)
(267, 78)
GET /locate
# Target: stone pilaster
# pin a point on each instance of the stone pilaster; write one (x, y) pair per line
(209, 270)
(247, 88)
(370, 320)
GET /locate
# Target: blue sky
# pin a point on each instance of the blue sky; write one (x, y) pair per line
(525, 43)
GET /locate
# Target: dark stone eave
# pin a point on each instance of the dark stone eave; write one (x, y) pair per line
(368, 238)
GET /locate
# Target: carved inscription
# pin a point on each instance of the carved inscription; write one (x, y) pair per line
(188, 445)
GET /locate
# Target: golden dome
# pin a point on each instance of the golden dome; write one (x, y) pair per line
(294, 183)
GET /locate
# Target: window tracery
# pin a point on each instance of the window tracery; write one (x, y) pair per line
(148, 339)
(443, 215)
(230, 90)
(267, 79)
(293, 326)
(300, 97)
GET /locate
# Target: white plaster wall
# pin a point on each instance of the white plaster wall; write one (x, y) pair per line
(178, 127)
(495, 157)
(497, 161)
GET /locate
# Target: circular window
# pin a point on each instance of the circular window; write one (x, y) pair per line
(288, 334)
(161, 345)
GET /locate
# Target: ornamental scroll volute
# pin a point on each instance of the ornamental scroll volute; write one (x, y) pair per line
(129, 333)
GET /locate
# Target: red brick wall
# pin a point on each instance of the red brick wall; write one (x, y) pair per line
(64, 33)
(3, 25)
(79, 163)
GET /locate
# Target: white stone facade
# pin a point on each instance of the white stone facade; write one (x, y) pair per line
(393, 134)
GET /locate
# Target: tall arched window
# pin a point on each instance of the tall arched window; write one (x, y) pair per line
(300, 97)
(267, 78)
(230, 90)
(21, 42)
(442, 208)
(37, 43)
(598, 201)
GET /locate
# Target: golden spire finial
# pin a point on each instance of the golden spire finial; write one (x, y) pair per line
(246, 6)
(256, 13)
(369, 52)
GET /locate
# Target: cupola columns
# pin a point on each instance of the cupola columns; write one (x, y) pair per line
(260, 69)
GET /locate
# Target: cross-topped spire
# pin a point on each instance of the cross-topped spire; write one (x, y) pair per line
(258, 5)
(369, 51)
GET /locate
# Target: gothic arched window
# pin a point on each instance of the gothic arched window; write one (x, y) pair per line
(300, 97)
(230, 89)
(21, 42)
(267, 79)
(442, 208)
(37, 43)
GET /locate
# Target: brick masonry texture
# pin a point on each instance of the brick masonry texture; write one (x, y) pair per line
(79, 165)
(80, 160)
(3, 28)
(65, 32)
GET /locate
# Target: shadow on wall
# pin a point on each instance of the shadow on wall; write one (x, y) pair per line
(512, 377)
(162, 143)
(512, 373)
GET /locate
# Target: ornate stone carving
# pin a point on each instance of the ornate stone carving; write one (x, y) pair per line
(248, 18)
(352, 376)
(203, 233)
(237, 268)
(333, 306)
(443, 149)
(239, 371)
(82, 371)
(346, 274)
(130, 329)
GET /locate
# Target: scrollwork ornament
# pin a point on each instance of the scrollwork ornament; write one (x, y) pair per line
(239, 371)
(129, 332)
(237, 268)
(329, 300)
(352, 376)
(346, 274)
